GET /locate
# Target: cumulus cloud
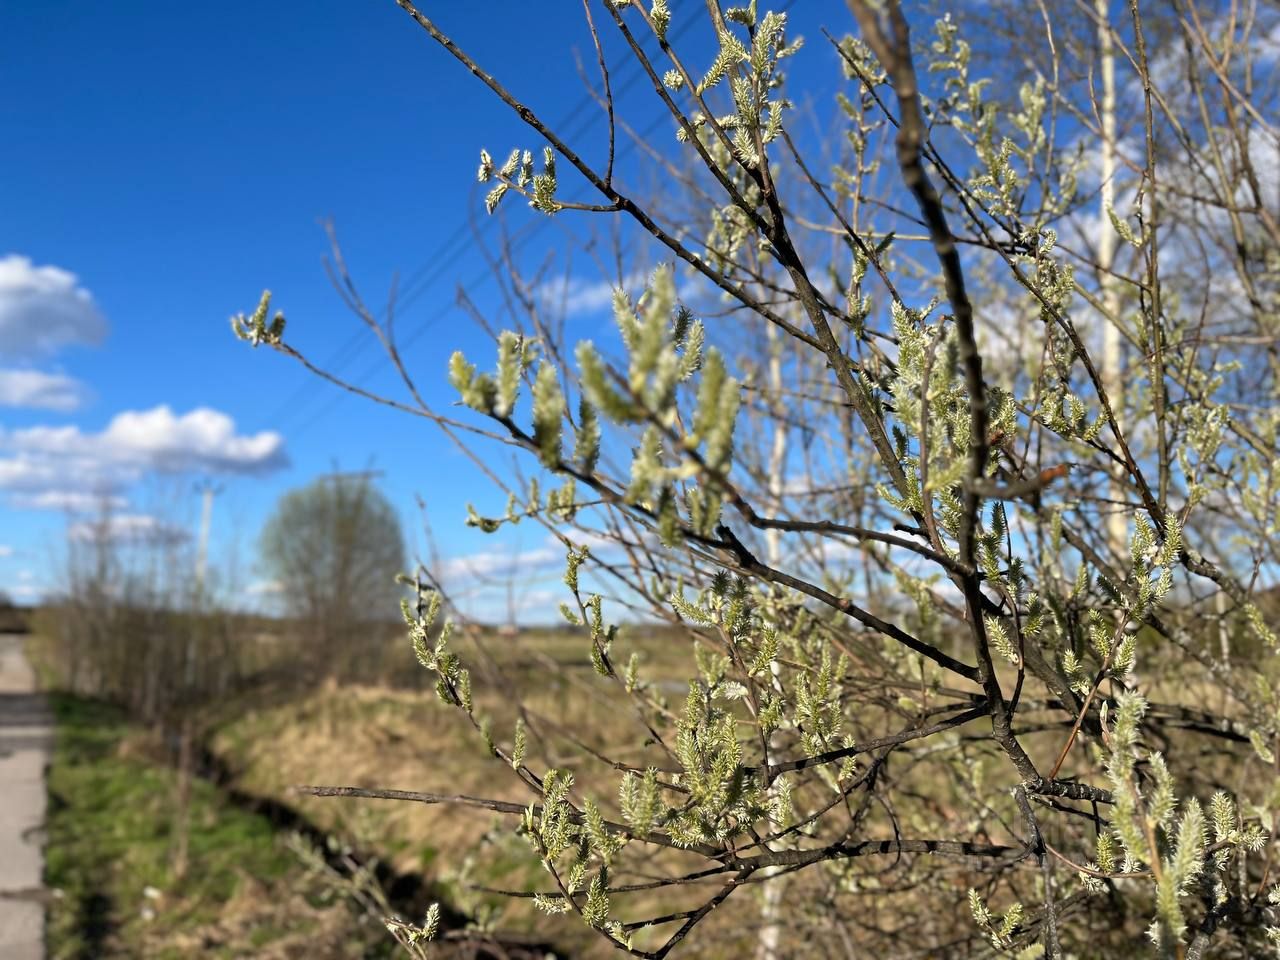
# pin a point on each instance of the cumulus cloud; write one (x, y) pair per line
(65, 468)
(69, 501)
(513, 562)
(43, 309)
(576, 296)
(6, 550)
(28, 474)
(156, 439)
(42, 391)
(499, 564)
(128, 528)
(540, 601)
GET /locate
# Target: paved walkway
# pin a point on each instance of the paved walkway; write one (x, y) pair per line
(25, 735)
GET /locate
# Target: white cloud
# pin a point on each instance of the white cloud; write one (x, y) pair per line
(600, 541)
(576, 296)
(39, 390)
(136, 528)
(67, 469)
(26, 473)
(262, 588)
(69, 501)
(1268, 46)
(80, 484)
(513, 563)
(499, 564)
(6, 550)
(540, 601)
(1197, 248)
(43, 309)
(156, 439)
(504, 583)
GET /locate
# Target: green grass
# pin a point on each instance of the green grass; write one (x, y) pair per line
(111, 835)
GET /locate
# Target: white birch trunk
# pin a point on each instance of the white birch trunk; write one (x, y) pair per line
(1112, 344)
(771, 905)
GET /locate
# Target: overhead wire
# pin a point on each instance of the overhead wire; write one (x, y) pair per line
(442, 259)
(358, 343)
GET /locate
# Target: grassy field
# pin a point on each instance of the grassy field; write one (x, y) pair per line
(114, 815)
(402, 737)
(393, 734)
(245, 895)
(112, 832)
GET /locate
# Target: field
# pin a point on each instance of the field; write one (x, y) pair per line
(274, 872)
(112, 833)
(117, 809)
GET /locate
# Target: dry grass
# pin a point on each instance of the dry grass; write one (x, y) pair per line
(398, 735)
(379, 736)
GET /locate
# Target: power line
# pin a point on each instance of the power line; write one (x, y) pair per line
(528, 232)
(484, 274)
(341, 476)
(579, 118)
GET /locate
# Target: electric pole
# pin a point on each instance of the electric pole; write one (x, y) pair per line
(208, 491)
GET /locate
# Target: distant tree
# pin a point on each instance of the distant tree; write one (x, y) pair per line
(335, 547)
(126, 622)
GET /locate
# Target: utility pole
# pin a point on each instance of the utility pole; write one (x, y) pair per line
(350, 491)
(208, 491)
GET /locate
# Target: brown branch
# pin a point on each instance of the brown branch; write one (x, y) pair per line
(608, 90)
(868, 746)
(496, 806)
(748, 562)
(845, 850)
(622, 203)
(895, 56)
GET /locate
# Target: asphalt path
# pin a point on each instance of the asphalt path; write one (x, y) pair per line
(25, 742)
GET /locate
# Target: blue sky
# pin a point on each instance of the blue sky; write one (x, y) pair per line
(164, 163)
